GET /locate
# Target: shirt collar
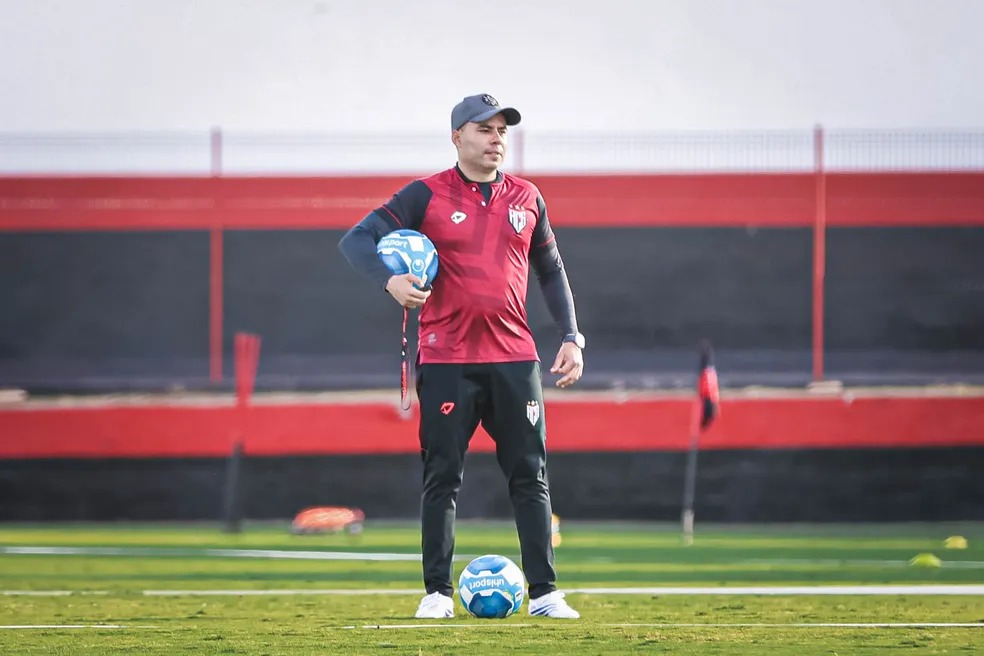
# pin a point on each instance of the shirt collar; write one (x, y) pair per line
(461, 174)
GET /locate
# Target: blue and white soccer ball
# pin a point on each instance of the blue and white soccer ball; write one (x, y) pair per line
(491, 587)
(409, 251)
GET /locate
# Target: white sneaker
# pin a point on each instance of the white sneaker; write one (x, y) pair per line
(435, 606)
(553, 605)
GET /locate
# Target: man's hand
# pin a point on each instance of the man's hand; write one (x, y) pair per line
(403, 289)
(569, 363)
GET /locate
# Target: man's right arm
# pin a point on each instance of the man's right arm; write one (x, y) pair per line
(405, 210)
(359, 248)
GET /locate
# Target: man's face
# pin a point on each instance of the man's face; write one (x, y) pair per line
(482, 145)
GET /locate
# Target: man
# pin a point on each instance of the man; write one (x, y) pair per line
(477, 361)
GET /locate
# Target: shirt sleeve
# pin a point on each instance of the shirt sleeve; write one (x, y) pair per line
(549, 269)
(405, 209)
(408, 206)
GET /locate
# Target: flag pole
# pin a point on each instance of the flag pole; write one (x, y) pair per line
(689, 483)
(705, 410)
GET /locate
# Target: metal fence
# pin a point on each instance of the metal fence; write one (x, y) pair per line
(219, 152)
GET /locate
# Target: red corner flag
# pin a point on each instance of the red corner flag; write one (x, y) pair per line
(706, 409)
(708, 397)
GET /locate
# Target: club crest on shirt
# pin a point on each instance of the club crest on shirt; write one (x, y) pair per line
(533, 412)
(458, 217)
(517, 217)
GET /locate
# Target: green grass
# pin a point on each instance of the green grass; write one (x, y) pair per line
(109, 589)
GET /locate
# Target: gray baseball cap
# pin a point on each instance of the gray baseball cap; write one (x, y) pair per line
(480, 107)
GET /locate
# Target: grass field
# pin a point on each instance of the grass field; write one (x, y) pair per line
(145, 589)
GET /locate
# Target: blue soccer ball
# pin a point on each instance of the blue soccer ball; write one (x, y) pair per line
(491, 587)
(409, 251)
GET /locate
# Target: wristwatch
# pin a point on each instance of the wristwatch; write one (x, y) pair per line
(576, 338)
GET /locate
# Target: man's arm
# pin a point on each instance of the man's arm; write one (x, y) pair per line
(405, 210)
(549, 269)
(359, 248)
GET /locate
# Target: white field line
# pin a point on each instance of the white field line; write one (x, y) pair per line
(821, 625)
(878, 590)
(836, 562)
(311, 555)
(848, 590)
(213, 553)
(513, 625)
(277, 554)
(70, 626)
(50, 593)
(281, 592)
(674, 625)
(855, 590)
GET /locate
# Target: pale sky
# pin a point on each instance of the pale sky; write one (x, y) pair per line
(399, 66)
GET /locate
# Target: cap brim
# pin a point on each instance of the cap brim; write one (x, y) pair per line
(511, 115)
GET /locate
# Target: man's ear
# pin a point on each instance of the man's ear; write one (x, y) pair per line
(456, 137)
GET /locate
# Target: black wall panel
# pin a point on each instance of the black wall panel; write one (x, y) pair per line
(130, 310)
(922, 484)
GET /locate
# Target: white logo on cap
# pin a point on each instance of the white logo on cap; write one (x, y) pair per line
(489, 100)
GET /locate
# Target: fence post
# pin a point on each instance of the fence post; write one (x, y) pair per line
(216, 152)
(819, 251)
(215, 303)
(215, 271)
(247, 357)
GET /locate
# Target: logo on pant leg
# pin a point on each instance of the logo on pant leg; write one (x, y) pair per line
(533, 412)
(447, 407)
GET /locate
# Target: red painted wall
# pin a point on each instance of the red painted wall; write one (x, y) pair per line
(763, 200)
(653, 424)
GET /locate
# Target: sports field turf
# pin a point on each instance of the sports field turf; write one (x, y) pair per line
(185, 589)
